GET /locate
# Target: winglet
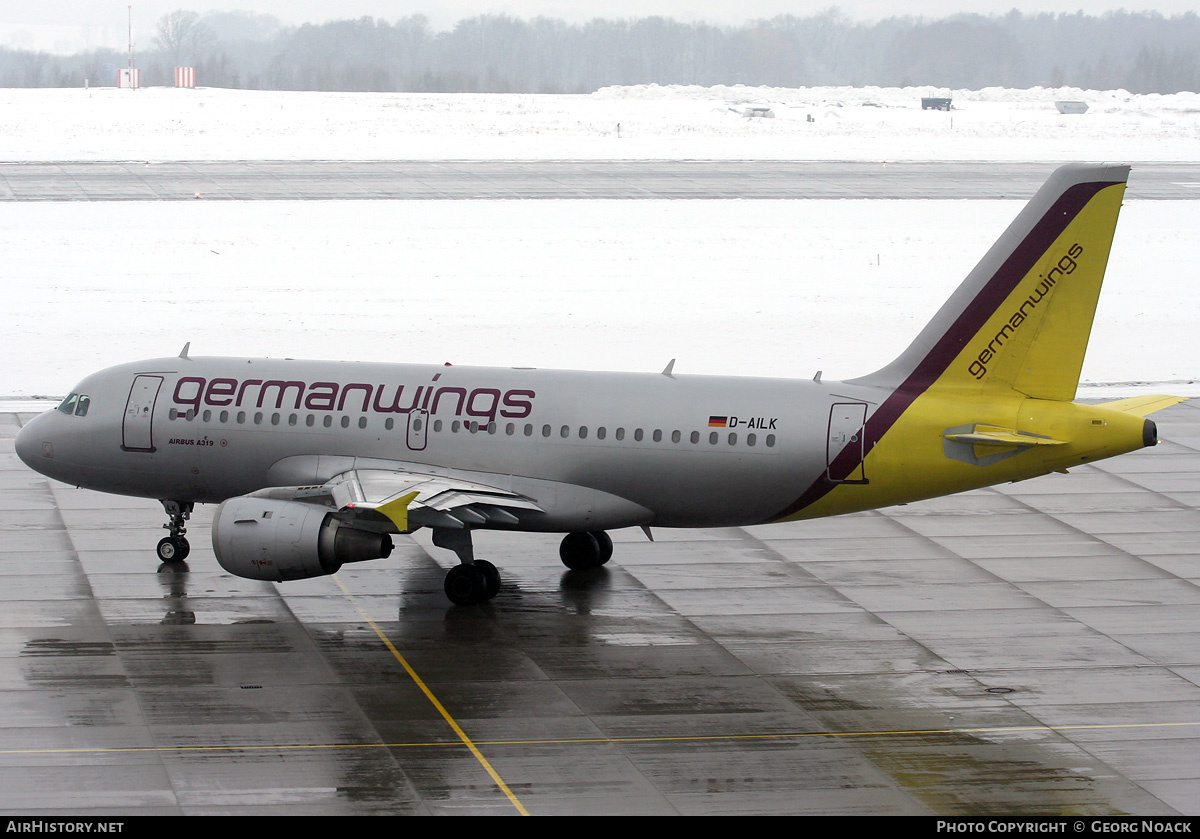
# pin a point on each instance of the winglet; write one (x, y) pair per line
(397, 510)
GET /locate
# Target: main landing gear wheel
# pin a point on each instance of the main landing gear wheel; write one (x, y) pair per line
(467, 585)
(606, 545)
(473, 580)
(580, 551)
(173, 549)
(491, 578)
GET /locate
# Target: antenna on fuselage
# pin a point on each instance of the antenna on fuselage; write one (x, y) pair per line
(183, 352)
(667, 370)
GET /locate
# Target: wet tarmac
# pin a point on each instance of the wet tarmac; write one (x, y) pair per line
(1028, 649)
(510, 179)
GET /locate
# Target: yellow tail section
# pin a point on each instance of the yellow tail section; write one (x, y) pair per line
(1021, 319)
(983, 395)
(1034, 341)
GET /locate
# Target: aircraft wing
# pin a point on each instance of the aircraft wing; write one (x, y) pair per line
(411, 499)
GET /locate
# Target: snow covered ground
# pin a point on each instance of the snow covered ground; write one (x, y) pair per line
(777, 288)
(655, 122)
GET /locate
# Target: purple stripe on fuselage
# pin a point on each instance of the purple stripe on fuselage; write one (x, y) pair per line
(1018, 264)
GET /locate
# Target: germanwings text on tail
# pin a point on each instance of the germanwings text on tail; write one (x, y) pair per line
(316, 464)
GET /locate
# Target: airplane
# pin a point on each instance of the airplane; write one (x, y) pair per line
(316, 463)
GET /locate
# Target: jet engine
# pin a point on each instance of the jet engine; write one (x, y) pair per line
(276, 540)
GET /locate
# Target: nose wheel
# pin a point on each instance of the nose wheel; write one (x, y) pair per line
(175, 548)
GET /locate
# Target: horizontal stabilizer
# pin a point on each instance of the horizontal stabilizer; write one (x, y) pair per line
(994, 435)
(1142, 406)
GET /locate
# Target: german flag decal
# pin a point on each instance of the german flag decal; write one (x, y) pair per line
(717, 422)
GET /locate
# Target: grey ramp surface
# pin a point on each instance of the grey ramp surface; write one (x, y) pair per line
(1030, 649)
(509, 179)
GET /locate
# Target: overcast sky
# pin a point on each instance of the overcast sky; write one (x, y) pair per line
(66, 25)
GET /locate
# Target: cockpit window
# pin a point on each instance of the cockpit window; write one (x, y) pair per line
(75, 403)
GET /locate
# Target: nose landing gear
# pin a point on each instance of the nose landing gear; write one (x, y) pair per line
(175, 548)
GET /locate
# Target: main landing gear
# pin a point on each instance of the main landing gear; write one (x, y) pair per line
(175, 548)
(580, 551)
(477, 580)
(474, 580)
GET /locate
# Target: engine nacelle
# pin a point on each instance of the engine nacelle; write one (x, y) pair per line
(268, 539)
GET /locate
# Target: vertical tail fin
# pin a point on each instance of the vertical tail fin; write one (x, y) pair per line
(1021, 319)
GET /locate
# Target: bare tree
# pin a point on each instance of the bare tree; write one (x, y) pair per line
(182, 36)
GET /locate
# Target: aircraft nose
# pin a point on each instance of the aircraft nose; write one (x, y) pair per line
(30, 446)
